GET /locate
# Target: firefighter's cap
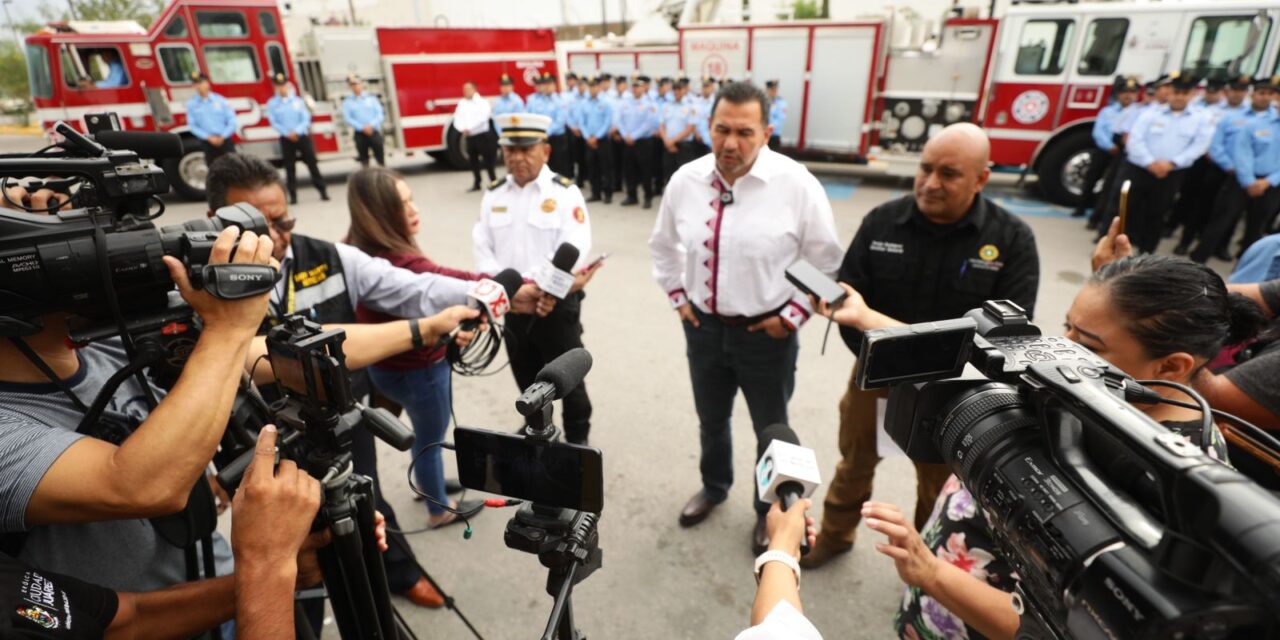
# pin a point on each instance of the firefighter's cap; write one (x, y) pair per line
(279, 79)
(771, 84)
(522, 129)
(1240, 83)
(1264, 83)
(1214, 84)
(505, 80)
(354, 79)
(197, 76)
(1182, 81)
(1126, 84)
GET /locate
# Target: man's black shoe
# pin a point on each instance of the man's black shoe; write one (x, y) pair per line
(1225, 256)
(593, 199)
(696, 509)
(474, 188)
(608, 199)
(1092, 224)
(629, 202)
(324, 195)
(648, 203)
(1078, 213)
(1182, 249)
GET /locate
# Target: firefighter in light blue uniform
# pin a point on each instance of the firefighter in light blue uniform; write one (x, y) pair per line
(702, 117)
(637, 120)
(777, 113)
(1163, 144)
(1256, 155)
(1108, 145)
(289, 116)
(211, 120)
(508, 101)
(1207, 202)
(596, 119)
(547, 102)
(679, 128)
(363, 112)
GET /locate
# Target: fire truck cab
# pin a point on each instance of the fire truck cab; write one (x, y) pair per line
(145, 76)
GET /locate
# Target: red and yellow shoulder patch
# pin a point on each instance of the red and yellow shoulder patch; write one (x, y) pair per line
(580, 215)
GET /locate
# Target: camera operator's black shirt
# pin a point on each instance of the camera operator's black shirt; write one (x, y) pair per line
(47, 605)
(914, 270)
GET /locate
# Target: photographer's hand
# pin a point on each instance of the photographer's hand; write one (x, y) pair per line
(854, 312)
(436, 327)
(271, 517)
(531, 300)
(980, 605)
(39, 200)
(1111, 247)
(238, 318)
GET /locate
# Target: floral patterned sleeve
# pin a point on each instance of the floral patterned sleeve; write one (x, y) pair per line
(958, 532)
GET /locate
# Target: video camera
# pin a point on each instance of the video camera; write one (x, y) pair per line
(1116, 526)
(99, 255)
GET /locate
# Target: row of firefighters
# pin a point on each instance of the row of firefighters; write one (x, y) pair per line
(614, 132)
(1197, 162)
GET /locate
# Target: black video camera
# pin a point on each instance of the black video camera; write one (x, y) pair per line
(98, 256)
(1116, 526)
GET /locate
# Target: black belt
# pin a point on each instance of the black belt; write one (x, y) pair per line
(742, 321)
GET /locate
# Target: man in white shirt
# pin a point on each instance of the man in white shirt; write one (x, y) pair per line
(472, 118)
(730, 224)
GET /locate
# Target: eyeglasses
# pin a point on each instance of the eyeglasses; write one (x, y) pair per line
(283, 225)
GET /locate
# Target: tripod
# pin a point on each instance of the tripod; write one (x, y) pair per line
(567, 542)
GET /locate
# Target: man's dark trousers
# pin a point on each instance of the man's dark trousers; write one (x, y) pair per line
(365, 144)
(478, 146)
(212, 153)
(724, 358)
(532, 342)
(636, 167)
(290, 150)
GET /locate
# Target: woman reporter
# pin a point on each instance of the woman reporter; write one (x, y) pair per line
(1153, 317)
(384, 223)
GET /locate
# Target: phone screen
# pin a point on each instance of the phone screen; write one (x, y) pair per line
(557, 474)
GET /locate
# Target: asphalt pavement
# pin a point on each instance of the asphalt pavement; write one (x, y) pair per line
(658, 580)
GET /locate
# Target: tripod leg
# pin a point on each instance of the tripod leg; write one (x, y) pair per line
(361, 607)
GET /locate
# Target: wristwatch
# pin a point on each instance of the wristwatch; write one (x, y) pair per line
(775, 555)
(416, 332)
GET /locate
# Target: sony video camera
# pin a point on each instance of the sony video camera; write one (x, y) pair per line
(98, 257)
(1116, 526)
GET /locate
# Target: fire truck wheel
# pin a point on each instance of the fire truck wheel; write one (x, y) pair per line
(1062, 168)
(187, 173)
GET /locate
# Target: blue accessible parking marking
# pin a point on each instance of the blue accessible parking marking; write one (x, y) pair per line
(840, 189)
(1020, 205)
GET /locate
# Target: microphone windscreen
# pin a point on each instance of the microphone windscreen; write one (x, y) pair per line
(779, 431)
(511, 281)
(566, 256)
(147, 144)
(566, 372)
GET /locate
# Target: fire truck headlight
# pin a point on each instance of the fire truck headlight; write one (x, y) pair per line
(901, 109)
(954, 112)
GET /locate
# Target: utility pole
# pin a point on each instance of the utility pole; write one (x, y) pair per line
(8, 19)
(351, 6)
(75, 15)
(604, 18)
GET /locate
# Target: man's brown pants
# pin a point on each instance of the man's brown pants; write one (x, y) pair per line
(851, 485)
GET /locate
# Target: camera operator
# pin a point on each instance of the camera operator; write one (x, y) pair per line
(1152, 317)
(777, 612)
(273, 516)
(931, 256)
(329, 280)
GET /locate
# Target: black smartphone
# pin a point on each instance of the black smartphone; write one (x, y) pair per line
(556, 474)
(810, 280)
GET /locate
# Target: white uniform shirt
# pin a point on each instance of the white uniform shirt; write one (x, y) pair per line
(472, 115)
(731, 259)
(521, 227)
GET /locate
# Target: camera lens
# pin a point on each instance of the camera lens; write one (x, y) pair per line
(980, 425)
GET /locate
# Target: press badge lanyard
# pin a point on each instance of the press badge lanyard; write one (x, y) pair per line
(289, 298)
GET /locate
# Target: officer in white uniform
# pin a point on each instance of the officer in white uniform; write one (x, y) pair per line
(523, 221)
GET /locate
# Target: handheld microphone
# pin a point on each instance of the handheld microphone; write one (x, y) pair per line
(786, 471)
(556, 278)
(493, 296)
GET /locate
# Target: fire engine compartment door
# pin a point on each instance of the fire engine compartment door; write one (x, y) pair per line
(840, 76)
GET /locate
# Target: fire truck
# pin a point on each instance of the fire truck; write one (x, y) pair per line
(1034, 78)
(241, 45)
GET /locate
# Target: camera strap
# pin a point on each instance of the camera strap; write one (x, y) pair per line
(48, 372)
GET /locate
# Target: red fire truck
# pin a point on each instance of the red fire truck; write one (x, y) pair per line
(1034, 79)
(241, 45)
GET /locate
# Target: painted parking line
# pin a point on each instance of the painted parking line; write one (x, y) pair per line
(1021, 205)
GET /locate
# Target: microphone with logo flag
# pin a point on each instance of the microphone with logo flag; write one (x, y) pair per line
(786, 471)
(493, 296)
(556, 278)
